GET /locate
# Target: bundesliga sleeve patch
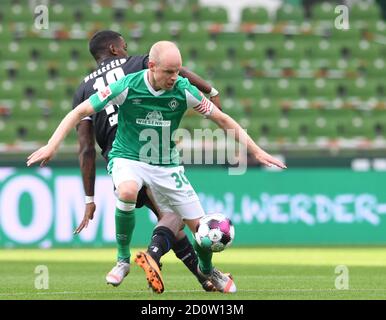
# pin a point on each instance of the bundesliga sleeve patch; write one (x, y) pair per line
(205, 107)
(104, 94)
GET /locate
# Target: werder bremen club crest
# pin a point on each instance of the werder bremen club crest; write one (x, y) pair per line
(173, 104)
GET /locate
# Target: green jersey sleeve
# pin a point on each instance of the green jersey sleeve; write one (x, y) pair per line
(114, 93)
(193, 95)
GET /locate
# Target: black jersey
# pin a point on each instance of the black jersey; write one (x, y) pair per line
(108, 71)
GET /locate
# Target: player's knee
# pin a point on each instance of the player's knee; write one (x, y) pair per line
(127, 196)
(171, 221)
(127, 192)
(180, 235)
(192, 224)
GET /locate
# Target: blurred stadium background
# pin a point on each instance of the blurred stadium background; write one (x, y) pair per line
(299, 85)
(305, 91)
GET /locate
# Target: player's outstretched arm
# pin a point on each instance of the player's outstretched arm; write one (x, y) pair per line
(45, 153)
(227, 123)
(202, 85)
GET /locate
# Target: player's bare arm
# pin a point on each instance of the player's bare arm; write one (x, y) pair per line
(226, 122)
(87, 154)
(195, 80)
(201, 85)
(46, 153)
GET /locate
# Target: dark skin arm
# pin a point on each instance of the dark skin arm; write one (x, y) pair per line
(87, 156)
(201, 84)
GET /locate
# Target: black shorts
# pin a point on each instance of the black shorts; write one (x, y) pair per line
(144, 200)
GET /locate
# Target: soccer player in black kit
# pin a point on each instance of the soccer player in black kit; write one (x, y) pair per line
(109, 50)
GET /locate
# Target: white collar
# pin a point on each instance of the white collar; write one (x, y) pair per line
(151, 89)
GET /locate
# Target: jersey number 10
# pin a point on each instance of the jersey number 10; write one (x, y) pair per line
(111, 77)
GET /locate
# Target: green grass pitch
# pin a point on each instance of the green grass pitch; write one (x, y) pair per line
(259, 273)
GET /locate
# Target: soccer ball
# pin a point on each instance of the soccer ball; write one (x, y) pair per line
(215, 232)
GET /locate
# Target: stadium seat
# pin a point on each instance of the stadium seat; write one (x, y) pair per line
(360, 127)
(58, 111)
(255, 15)
(323, 11)
(320, 127)
(250, 51)
(212, 15)
(12, 91)
(236, 109)
(291, 49)
(321, 88)
(365, 50)
(156, 31)
(248, 88)
(303, 114)
(17, 13)
(62, 13)
(289, 129)
(26, 130)
(7, 132)
(376, 27)
(36, 72)
(280, 131)
(6, 33)
(233, 38)
(365, 11)
(266, 108)
(227, 70)
(74, 50)
(176, 13)
(290, 13)
(376, 68)
(325, 50)
(25, 107)
(213, 52)
(361, 89)
(99, 14)
(285, 88)
(18, 51)
(193, 32)
(3, 71)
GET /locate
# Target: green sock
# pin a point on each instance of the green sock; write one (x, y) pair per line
(124, 227)
(204, 258)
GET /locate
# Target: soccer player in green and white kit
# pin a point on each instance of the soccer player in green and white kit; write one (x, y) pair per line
(153, 102)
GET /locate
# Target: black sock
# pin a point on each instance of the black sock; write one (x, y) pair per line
(162, 241)
(185, 252)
